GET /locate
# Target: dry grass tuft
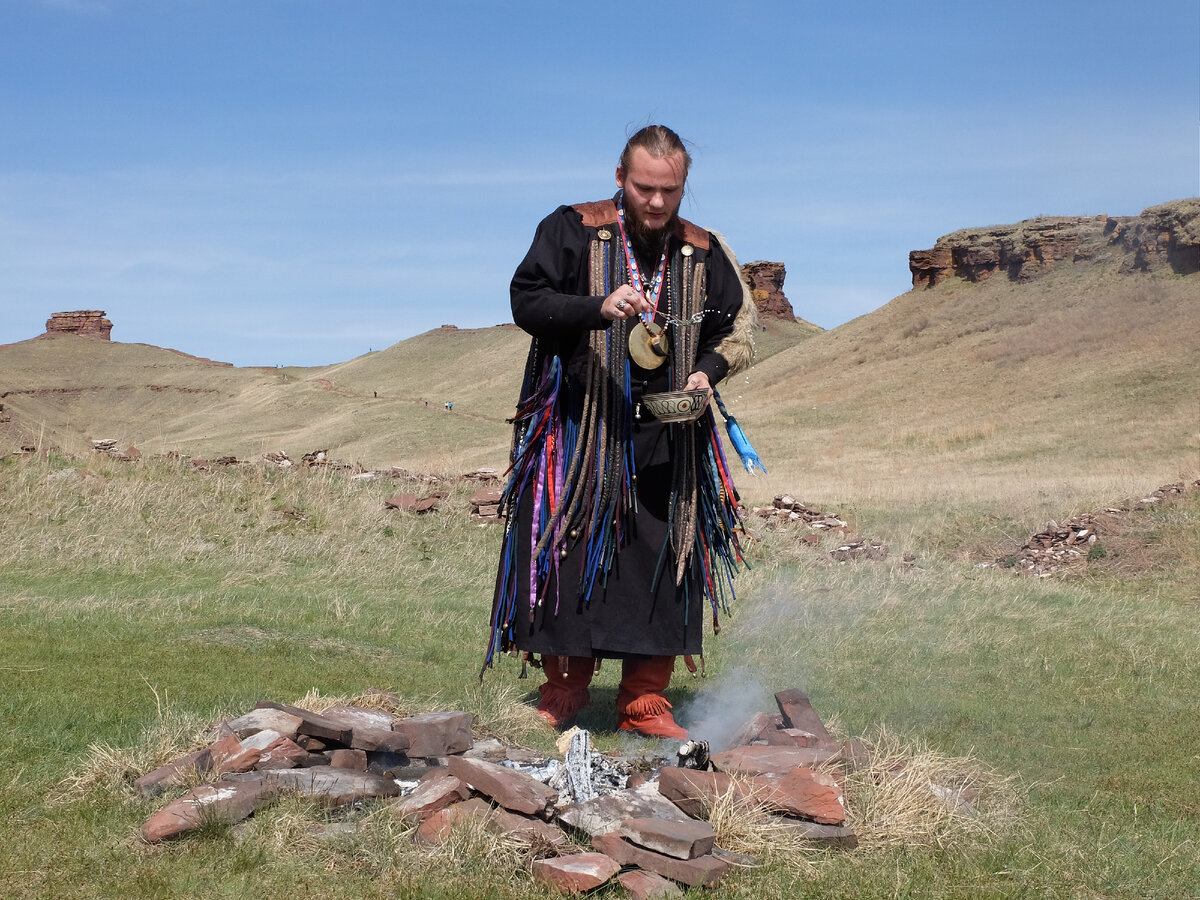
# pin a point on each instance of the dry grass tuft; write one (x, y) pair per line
(911, 796)
(743, 825)
(113, 769)
(500, 712)
(385, 845)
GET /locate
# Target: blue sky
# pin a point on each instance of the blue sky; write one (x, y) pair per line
(299, 181)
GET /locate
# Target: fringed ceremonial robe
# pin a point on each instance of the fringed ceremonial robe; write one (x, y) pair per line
(620, 528)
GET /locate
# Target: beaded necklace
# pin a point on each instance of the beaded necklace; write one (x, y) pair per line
(653, 289)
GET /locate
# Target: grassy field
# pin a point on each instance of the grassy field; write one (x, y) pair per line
(143, 601)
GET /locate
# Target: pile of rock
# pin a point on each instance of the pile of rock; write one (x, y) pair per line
(1062, 547)
(861, 550)
(486, 475)
(786, 509)
(1057, 545)
(413, 503)
(429, 772)
(485, 504)
(108, 446)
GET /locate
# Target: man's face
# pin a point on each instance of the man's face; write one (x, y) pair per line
(653, 189)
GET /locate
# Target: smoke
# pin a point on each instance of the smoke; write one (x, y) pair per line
(722, 706)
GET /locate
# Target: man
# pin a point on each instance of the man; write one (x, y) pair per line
(619, 526)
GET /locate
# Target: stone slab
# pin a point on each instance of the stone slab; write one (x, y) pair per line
(222, 802)
(694, 791)
(683, 840)
(385, 740)
(753, 728)
(337, 787)
(791, 737)
(345, 758)
(647, 886)
(436, 734)
(802, 792)
(706, 871)
(228, 755)
(535, 833)
(260, 740)
(575, 873)
(311, 723)
(768, 759)
(606, 813)
(798, 713)
(430, 795)
(264, 719)
(158, 780)
(508, 787)
(358, 717)
(433, 830)
(282, 753)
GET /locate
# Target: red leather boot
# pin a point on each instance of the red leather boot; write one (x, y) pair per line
(641, 706)
(565, 692)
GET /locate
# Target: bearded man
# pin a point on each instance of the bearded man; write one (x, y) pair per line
(619, 526)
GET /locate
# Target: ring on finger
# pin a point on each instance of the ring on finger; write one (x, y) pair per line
(620, 304)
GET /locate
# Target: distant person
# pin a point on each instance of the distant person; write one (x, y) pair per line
(620, 527)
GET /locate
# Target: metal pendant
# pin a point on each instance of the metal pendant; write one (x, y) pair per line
(648, 345)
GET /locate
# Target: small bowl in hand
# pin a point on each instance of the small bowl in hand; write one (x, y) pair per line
(677, 406)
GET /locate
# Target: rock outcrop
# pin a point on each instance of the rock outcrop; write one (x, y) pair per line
(766, 286)
(82, 321)
(1162, 238)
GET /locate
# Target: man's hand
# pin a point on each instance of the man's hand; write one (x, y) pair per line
(626, 302)
(698, 381)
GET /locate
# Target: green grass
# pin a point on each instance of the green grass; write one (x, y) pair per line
(141, 601)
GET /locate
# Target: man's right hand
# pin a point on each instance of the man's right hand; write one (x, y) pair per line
(626, 302)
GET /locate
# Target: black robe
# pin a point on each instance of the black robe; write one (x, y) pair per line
(628, 611)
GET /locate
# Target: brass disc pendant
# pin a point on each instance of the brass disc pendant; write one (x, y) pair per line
(648, 346)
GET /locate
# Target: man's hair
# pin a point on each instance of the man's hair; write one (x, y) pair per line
(659, 141)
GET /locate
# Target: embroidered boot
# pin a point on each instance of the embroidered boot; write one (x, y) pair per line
(565, 692)
(641, 706)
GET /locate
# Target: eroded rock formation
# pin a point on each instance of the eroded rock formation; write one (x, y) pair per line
(1162, 238)
(81, 321)
(766, 286)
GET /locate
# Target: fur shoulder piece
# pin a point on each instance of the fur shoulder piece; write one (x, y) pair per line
(693, 234)
(738, 347)
(600, 212)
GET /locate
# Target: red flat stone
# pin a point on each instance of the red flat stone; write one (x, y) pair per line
(682, 840)
(511, 789)
(575, 873)
(704, 870)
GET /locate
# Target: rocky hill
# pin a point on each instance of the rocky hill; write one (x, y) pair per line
(1051, 351)
(1163, 238)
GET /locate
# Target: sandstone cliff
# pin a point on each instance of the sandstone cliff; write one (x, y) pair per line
(1162, 238)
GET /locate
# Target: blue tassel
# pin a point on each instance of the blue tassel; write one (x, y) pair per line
(740, 442)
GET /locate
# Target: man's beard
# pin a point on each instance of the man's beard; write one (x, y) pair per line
(648, 241)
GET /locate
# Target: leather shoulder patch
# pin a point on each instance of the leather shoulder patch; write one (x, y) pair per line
(595, 214)
(693, 234)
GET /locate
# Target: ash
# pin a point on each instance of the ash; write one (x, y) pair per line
(585, 775)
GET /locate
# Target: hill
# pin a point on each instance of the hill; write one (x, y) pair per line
(381, 409)
(1072, 365)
